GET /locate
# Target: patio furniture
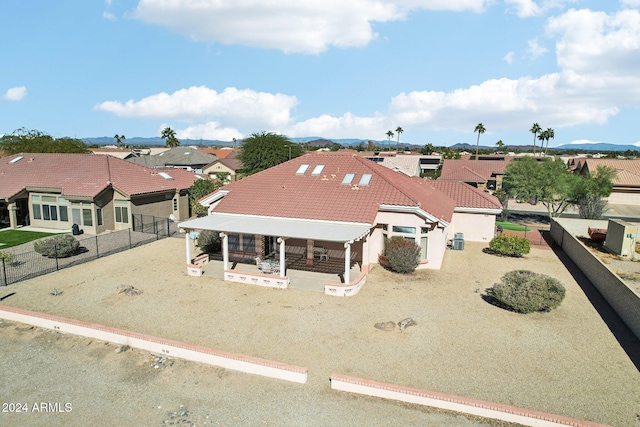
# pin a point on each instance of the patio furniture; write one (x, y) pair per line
(320, 252)
(270, 266)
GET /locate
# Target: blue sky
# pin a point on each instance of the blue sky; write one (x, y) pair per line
(223, 69)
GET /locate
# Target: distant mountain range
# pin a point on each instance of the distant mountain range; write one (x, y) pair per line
(317, 141)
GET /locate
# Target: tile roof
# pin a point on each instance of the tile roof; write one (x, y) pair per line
(472, 170)
(280, 192)
(177, 156)
(84, 175)
(467, 196)
(220, 153)
(628, 170)
(407, 164)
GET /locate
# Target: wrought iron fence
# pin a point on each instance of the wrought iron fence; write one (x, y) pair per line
(164, 227)
(29, 264)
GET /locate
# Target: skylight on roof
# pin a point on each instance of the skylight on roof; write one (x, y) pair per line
(302, 169)
(317, 170)
(165, 175)
(17, 159)
(348, 178)
(365, 179)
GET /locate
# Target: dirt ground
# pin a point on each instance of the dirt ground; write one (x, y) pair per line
(566, 362)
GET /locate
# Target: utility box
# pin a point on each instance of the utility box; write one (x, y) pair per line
(457, 244)
(621, 238)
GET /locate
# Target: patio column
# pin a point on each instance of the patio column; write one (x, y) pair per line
(365, 253)
(283, 266)
(225, 251)
(187, 240)
(13, 215)
(310, 245)
(347, 261)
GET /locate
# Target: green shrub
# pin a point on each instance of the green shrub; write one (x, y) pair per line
(8, 257)
(402, 255)
(209, 241)
(61, 246)
(510, 245)
(524, 291)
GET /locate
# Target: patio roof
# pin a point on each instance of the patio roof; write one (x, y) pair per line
(329, 231)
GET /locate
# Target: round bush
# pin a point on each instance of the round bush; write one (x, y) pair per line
(8, 257)
(402, 255)
(510, 245)
(524, 291)
(209, 241)
(60, 246)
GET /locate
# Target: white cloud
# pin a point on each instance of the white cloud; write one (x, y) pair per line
(508, 58)
(15, 93)
(531, 8)
(535, 50)
(234, 107)
(108, 16)
(631, 3)
(209, 130)
(346, 126)
(292, 26)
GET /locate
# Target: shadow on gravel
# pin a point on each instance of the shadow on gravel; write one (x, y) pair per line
(627, 340)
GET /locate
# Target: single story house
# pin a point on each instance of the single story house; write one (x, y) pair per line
(98, 193)
(333, 205)
(227, 166)
(626, 184)
(483, 174)
(187, 158)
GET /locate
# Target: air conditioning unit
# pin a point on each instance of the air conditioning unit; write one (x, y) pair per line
(457, 244)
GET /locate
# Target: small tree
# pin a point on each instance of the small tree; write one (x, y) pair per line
(8, 257)
(591, 190)
(510, 245)
(264, 150)
(198, 190)
(60, 246)
(403, 255)
(209, 241)
(524, 291)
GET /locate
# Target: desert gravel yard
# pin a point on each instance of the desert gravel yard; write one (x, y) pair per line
(566, 362)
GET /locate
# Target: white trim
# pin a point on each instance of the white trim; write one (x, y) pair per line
(214, 198)
(414, 210)
(479, 210)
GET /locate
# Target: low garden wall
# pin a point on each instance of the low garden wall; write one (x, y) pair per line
(232, 361)
(622, 299)
(267, 280)
(346, 289)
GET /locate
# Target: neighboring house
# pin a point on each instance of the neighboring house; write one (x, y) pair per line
(98, 193)
(475, 212)
(121, 153)
(408, 164)
(626, 184)
(482, 174)
(187, 158)
(229, 165)
(345, 204)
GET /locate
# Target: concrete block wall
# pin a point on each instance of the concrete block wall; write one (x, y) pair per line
(622, 299)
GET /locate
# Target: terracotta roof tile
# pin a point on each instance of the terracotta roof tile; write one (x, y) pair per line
(280, 192)
(84, 175)
(460, 170)
(628, 170)
(467, 196)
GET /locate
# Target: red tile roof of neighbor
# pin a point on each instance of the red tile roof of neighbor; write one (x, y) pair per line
(628, 170)
(472, 170)
(467, 196)
(280, 192)
(85, 175)
(220, 153)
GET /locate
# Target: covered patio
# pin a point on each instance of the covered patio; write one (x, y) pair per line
(299, 250)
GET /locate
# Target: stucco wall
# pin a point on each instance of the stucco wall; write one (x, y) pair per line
(477, 227)
(622, 299)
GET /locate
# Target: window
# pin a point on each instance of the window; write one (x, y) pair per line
(87, 218)
(317, 170)
(98, 215)
(35, 208)
(403, 229)
(50, 212)
(348, 178)
(365, 179)
(122, 214)
(50, 199)
(302, 169)
(64, 215)
(233, 242)
(424, 243)
(175, 204)
(249, 242)
(424, 230)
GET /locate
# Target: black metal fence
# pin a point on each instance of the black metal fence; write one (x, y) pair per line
(28, 264)
(163, 227)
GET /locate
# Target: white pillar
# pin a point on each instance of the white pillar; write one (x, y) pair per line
(283, 266)
(365, 252)
(347, 261)
(225, 251)
(187, 240)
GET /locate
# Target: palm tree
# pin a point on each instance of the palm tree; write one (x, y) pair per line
(119, 139)
(389, 135)
(550, 135)
(480, 129)
(169, 135)
(500, 144)
(542, 136)
(399, 130)
(534, 130)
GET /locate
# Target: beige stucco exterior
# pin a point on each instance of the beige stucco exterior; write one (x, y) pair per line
(476, 227)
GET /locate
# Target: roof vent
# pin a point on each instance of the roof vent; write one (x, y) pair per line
(355, 187)
(17, 159)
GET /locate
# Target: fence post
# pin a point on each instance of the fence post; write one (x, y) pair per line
(129, 238)
(142, 223)
(97, 250)
(55, 252)
(4, 272)
(168, 230)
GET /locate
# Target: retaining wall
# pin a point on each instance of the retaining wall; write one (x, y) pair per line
(621, 297)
